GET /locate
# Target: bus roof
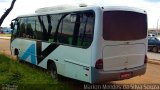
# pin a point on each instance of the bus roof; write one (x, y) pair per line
(59, 9)
(66, 8)
(124, 8)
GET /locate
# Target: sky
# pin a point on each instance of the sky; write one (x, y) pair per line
(29, 6)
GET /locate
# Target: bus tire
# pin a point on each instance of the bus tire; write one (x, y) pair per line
(53, 70)
(16, 52)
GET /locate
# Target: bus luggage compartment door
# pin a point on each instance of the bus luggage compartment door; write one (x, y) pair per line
(119, 57)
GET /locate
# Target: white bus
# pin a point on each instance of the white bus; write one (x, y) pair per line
(91, 44)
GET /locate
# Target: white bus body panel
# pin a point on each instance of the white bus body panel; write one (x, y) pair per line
(22, 45)
(70, 61)
(118, 57)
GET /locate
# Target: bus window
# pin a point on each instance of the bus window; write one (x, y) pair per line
(77, 32)
(27, 27)
(65, 32)
(38, 29)
(124, 25)
(54, 22)
(85, 35)
(22, 28)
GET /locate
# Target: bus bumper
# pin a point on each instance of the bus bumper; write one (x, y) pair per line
(99, 76)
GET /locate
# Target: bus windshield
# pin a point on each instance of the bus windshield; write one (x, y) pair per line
(124, 25)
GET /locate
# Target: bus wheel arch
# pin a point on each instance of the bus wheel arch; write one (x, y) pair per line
(51, 67)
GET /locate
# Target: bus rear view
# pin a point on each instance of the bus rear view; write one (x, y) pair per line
(124, 44)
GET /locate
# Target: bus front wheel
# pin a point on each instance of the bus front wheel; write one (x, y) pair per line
(16, 52)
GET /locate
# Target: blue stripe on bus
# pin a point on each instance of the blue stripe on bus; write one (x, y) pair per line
(30, 52)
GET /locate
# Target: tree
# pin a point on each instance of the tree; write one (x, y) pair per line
(7, 12)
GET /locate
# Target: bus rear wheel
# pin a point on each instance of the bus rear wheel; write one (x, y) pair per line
(53, 71)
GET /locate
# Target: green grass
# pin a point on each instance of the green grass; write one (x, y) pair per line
(26, 76)
(5, 35)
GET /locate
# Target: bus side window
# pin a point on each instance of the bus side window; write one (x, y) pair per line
(38, 29)
(78, 30)
(27, 28)
(29, 31)
(32, 27)
(54, 22)
(22, 30)
(65, 31)
(85, 36)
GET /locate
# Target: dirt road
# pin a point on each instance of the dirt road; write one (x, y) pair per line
(155, 56)
(152, 76)
(5, 46)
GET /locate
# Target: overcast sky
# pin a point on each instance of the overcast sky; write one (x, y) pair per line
(29, 6)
